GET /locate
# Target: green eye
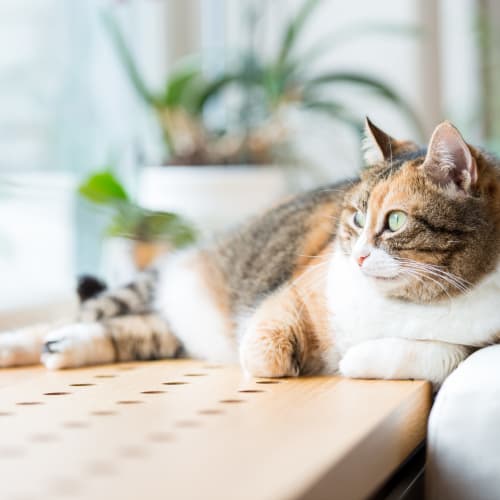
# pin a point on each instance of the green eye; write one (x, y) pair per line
(396, 220)
(359, 219)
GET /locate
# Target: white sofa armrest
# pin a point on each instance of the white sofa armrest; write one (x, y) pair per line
(463, 453)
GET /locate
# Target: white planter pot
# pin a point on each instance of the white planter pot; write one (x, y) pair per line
(213, 197)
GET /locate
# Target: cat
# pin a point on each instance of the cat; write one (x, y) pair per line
(391, 275)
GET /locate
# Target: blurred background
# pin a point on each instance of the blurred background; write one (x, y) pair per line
(129, 128)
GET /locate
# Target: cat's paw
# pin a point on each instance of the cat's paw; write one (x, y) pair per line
(378, 358)
(365, 360)
(269, 353)
(21, 347)
(77, 344)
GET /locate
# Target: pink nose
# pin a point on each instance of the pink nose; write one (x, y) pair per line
(361, 259)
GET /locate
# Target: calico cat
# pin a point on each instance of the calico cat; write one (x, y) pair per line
(391, 275)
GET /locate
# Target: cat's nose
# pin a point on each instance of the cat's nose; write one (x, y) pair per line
(362, 258)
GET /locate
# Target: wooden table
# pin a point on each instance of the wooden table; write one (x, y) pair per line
(188, 430)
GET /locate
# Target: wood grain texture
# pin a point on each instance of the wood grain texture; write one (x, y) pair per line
(188, 430)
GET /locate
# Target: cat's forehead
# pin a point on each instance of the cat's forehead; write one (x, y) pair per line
(401, 176)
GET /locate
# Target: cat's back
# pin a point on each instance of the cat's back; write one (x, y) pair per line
(269, 250)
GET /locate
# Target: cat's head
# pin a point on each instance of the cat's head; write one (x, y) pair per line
(423, 224)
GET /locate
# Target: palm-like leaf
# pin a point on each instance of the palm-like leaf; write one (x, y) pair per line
(294, 28)
(364, 81)
(125, 56)
(336, 111)
(355, 32)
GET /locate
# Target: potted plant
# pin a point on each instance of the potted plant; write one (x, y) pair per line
(210, 171)
(135, 235)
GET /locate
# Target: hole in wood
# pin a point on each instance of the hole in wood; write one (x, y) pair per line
(81, 384)
(59, 393)
(232, 401)
(29, 403)
(43, 438)
(6, 413)
(100, 468)
(133, 452)
(75, 424)
(267, 382)
(187, 423)
(153, 392)
(103, 413)
(105, 376)
(64, 486)
(195, 374)
(129, 402)
(250, 391)
(210, 411)
(160, 437)
(175, 382)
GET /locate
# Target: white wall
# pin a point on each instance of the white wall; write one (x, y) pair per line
(36, 240)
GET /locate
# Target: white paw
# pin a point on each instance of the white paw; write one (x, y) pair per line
(77, 344)
(356, 362)
(379, 358)
(13, 352)
(21, 347)
(386, 358)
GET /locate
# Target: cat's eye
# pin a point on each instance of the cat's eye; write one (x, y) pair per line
(359, 219)
(396, 220)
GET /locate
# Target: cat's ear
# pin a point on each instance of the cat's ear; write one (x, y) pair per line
(449, 161)
(379, 146)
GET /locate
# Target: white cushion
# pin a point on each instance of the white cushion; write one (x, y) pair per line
(463, 457)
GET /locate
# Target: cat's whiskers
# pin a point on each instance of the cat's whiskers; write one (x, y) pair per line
(426, 276)
(460, 283)
(455, 284)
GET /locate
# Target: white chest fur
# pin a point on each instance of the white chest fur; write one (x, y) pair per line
(359, 311)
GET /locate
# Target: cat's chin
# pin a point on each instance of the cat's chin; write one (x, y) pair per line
(388, 285)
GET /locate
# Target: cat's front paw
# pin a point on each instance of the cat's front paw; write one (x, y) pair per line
(369, 359)
(77, 344)
(269, 353)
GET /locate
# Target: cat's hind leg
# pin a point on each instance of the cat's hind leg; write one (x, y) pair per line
(123, 338)
(22, 347)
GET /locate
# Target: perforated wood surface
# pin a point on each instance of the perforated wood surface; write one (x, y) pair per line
(188, 430)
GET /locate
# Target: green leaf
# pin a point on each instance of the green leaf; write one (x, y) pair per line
(355, 32)
(213, 87)
(178, 86)
(336, 111)
(370, 83)
(126, 58)
(134, 222)
(103, 188)
(167, 226)
(295, 27)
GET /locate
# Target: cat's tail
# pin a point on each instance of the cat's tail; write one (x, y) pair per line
(89, 287)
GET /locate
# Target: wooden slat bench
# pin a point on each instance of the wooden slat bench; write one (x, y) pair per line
(190, 430)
